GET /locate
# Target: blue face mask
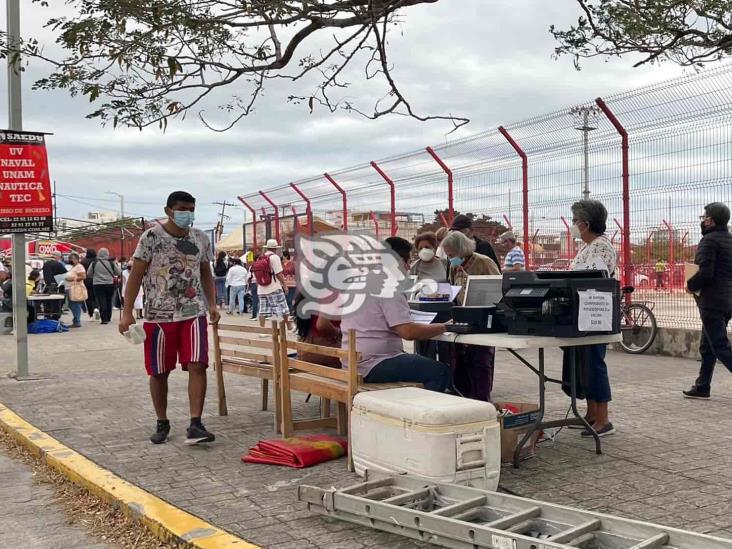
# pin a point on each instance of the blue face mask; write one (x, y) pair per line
(184, 220)
(456, 261)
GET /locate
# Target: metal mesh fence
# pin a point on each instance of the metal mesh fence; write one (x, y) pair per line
(680, 158)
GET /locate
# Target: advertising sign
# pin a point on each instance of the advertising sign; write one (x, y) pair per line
(25, 186)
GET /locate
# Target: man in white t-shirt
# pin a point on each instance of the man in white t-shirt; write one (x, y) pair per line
(271, 285)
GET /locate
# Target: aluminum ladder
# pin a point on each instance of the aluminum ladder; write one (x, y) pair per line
(455, 516)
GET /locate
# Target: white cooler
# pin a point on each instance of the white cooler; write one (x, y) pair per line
(439, 437)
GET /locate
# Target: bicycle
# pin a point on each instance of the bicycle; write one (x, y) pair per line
(637, 324)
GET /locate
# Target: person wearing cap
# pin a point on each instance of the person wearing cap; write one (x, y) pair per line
(52, 268)
(514, 260)
(464, 224)
(271, 284)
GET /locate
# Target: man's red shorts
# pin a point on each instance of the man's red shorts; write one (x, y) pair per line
(169, 343)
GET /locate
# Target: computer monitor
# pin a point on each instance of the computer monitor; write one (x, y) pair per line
(483, 291)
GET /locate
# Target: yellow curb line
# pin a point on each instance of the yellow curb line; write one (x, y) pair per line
(167, 522)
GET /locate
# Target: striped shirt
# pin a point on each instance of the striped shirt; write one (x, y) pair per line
(514, 257)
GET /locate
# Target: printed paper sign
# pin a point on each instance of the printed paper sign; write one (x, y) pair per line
(25, 186)
(595, 311)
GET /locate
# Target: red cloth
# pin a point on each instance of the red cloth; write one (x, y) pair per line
(299, 452)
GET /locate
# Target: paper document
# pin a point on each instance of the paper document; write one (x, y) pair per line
(454, 291)
(60, 279)
(595, 311)
(422, 317)
(690, 269)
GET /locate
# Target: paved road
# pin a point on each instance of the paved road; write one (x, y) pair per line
(671, 461)
(30, 517)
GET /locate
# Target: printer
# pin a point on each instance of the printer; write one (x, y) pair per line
(561, 303)
(479, 312)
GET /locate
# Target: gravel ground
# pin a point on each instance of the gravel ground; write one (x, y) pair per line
(105, 525)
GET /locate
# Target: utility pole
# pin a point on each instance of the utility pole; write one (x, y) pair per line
(585, 121)
(55, 211)
(220, 225)
(15, 122)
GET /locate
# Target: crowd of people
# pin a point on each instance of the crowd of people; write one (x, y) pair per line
(182, 281)
(92, 282)
(173, 281)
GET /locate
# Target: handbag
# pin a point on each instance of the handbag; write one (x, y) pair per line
(116, 280)
(78, 292)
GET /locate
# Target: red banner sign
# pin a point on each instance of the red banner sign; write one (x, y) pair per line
(25, 187)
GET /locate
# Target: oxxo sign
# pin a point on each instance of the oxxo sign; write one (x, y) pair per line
(46, 248)
(25, 186)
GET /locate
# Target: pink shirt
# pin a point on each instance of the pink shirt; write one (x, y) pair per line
(373, 323)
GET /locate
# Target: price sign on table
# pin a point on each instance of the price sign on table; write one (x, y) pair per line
(595, 311)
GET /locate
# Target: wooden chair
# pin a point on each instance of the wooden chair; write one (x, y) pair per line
(248, 351)
(331, 384)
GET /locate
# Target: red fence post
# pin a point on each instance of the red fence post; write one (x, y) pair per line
(392, 193)
(570, 241)
(671, 252)
(308, 209)
(376, 225)
(254, 222)
(524, 190)
(450, 195)
(277, 216)
(345, 199)
(620, 228)
(627, 266)
(295, 221)
(508, 222)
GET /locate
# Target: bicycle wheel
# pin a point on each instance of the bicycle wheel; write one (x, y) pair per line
(638, 328)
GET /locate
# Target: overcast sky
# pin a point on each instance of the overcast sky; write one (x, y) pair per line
(487, 60)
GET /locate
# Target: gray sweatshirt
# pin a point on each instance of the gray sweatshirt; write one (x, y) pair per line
(102, 271)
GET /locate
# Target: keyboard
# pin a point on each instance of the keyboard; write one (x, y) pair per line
(460, 328)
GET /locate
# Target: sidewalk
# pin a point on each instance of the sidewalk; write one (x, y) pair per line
(669, 463)
(31, 517)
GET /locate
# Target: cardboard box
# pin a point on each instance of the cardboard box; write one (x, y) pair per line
(510, 437)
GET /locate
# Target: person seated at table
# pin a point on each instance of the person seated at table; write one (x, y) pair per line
(7, 300)
(317, 330)
(32, 283)
(472, 364)
(5, 281)
(589, 223)
(381, 325)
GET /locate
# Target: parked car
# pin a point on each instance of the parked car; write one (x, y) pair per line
(641, 281)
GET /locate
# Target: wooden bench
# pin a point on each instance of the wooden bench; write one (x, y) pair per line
(247, 351)
(331, 384)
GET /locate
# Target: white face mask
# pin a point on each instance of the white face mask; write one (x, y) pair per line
(574, 230)
(426, 254)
